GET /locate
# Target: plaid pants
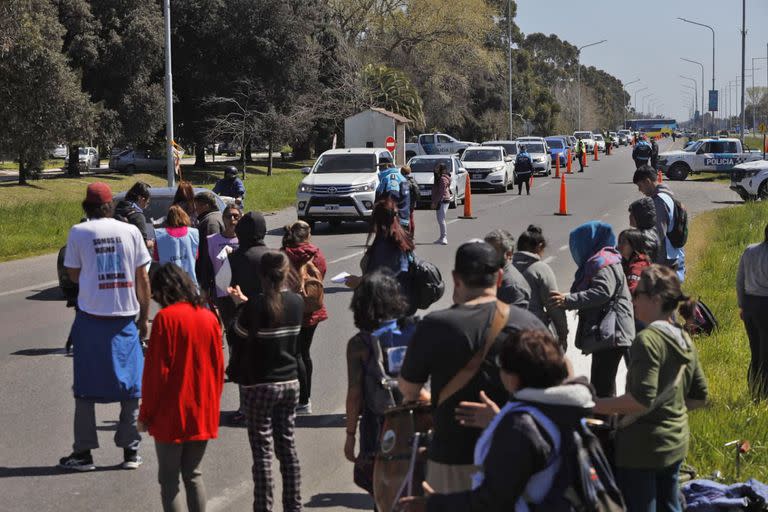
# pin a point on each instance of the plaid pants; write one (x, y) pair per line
(270, 413)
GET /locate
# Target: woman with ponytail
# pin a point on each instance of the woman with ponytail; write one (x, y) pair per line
(264, 363)
(664, 381)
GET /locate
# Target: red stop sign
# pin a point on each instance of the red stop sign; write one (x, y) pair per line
(390, 144)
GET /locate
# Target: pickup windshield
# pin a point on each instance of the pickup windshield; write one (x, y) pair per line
(692, 148)
(481, 155)
(428, 164)
(348, 163)
(555, 143)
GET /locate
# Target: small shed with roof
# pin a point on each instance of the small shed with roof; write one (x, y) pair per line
(370, 129)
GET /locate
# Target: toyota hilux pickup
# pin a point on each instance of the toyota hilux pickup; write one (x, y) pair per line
(435, 144)
(714, 155)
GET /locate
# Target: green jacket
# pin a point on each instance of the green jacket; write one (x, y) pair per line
(660, 438)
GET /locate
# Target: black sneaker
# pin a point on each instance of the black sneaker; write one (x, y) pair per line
(131, 459)
(82, 461)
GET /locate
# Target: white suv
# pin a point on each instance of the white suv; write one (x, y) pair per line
(489, 167)
(750, 180)
(588, 138)
(341, 186)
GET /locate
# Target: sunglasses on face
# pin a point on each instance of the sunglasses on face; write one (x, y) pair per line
(232, 216)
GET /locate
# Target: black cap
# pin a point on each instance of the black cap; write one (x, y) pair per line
(477, 258)
(230, 171)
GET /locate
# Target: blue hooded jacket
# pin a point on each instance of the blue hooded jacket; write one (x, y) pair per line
(588, 240)
(395, 185)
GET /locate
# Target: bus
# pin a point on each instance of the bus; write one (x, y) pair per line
(652, 127)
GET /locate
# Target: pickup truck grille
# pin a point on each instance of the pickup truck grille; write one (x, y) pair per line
(332, 189)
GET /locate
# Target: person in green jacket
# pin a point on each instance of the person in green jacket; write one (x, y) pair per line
(664, 381)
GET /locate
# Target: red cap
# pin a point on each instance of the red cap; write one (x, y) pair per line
(98, 193)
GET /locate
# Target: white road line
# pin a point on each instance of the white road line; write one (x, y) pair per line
(562, 247)
(40, 286)
(347, 257)
(508, 200)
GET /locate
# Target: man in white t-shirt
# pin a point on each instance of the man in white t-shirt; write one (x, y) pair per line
(108, 259)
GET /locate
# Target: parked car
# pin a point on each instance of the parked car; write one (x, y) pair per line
(134, 160)
(510, 146)
(614, 139)
(422, 168)
(558, 148)
(706, 155)
(60, 151)
(154, 213)
(599, 141)
(87, 156)
(750, 180)
(435, 144)
(341, 186)
(587, 137)
(542, 161)
(489, 167)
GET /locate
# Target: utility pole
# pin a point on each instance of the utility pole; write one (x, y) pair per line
(170, 165)
(743, 63)
(509, 59)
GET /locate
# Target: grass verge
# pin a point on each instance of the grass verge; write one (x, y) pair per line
(717, 240)
(35, 218)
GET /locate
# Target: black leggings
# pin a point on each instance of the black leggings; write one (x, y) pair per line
(605, 364)
(756, 324)
(305, 362)
(527, 183)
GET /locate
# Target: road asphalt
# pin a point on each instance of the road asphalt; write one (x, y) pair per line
(37, 405)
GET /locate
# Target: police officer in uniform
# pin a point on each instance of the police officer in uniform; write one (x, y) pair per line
(642, 153)
(523, 171)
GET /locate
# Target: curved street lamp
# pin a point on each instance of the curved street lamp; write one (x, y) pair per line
(578, 71)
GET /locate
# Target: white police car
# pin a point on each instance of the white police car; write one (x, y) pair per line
(706, 155)
(750, 180)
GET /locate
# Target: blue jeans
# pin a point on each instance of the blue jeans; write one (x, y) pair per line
(650, 490)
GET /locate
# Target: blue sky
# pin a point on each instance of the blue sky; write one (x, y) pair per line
(646, 41)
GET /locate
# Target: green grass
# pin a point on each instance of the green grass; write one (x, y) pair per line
(754, 141)
(35, 218)
(56, 163)
(717, 240)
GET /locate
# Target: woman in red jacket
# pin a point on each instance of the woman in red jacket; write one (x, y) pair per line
(182, 383)
(298, 247)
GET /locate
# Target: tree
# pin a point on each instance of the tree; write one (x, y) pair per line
(41, 102)
(392, 90)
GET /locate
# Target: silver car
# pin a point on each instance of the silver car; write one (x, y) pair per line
(133, 160)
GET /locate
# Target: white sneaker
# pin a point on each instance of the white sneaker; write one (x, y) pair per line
(442, 241)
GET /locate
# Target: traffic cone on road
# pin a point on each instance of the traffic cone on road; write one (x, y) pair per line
(557, 166)
(595, 158)
(659, 177)
(467, 201)
(563, 211)
(584, 159)
(568, 163)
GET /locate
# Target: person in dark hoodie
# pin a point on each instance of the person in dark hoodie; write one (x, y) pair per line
(300, 250)
(209, 222)
(131, 209)
(642, 215)
(245, 261)
(664, 382)
(513, 446)
(600, 294)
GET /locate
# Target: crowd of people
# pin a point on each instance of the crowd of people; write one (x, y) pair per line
(493, 364)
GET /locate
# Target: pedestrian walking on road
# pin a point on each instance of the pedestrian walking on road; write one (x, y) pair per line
(209, 222)
(642, 215)
(177, 243)
(377, 304)
(185, 198)
(663, 200)
(528, 260)
(445, 344)
(131, 209)
(264, 362)
(664, 381)
(414, 194)
(441, 200)
(600, 294)
(231, 185)
(523, 171)
(308, 262)
(108, 259)
(182, 384)
(752, 295)
(581, 150)
(514, 289)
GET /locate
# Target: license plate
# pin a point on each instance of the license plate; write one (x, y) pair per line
(476, 175)
(331, 207)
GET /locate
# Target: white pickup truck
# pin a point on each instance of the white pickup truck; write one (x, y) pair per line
(706, 155)
(435, 144)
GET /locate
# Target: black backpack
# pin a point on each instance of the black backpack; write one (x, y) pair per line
(583, 480)
(678, 234)
(426, 286)
(702, 320)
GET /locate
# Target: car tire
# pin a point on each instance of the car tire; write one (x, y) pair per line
(678, 172)
(129, 170)
(762, 191)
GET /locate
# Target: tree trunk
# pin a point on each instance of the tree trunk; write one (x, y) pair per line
(269, 158)
(199, 154)
(303, 149)
(22, 172)
(73, 168)
(248, 149)
(242, 161)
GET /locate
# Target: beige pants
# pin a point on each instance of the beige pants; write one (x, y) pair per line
(450, 478)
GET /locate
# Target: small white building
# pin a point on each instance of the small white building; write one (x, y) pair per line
(370, 129)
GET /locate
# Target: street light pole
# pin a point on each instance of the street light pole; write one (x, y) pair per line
(578, 74)
(702, 87)
(754, 107)
(695, 90)
(642, 101)
(170, 167)
(743, 63)
(623, 105)
(637, 91)
(713, 45)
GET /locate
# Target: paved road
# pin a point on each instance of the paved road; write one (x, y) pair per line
(36, 402)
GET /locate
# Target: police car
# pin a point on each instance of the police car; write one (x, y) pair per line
(707, 155)
(750, 180)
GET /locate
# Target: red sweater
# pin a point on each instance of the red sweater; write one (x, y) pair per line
(183, 375)
(633, 268)
(299, 255)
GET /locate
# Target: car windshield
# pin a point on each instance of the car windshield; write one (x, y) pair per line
(534, 148)
(82, 151)
(693, 147)
(481, 155)
(345, 163)
(555, 143)
(583, 135)
(428, 164)
(598, 137)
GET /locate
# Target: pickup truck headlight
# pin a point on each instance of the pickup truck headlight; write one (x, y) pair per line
(498, 168)
(305, 188)
(366, 187)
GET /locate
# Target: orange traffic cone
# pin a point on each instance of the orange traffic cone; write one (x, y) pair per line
(557, 166)
(563, 197)
(659, 177)
(568, 163)
(584, 159)
(595, 158)
(467, 201)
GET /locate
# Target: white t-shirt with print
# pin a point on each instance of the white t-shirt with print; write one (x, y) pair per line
(107, 252)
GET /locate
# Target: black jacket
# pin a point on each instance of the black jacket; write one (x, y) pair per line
(208, 223)
(644, 212)
(245, 261)
(126, 212)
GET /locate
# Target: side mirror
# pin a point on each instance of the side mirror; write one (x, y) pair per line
(306, 170)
